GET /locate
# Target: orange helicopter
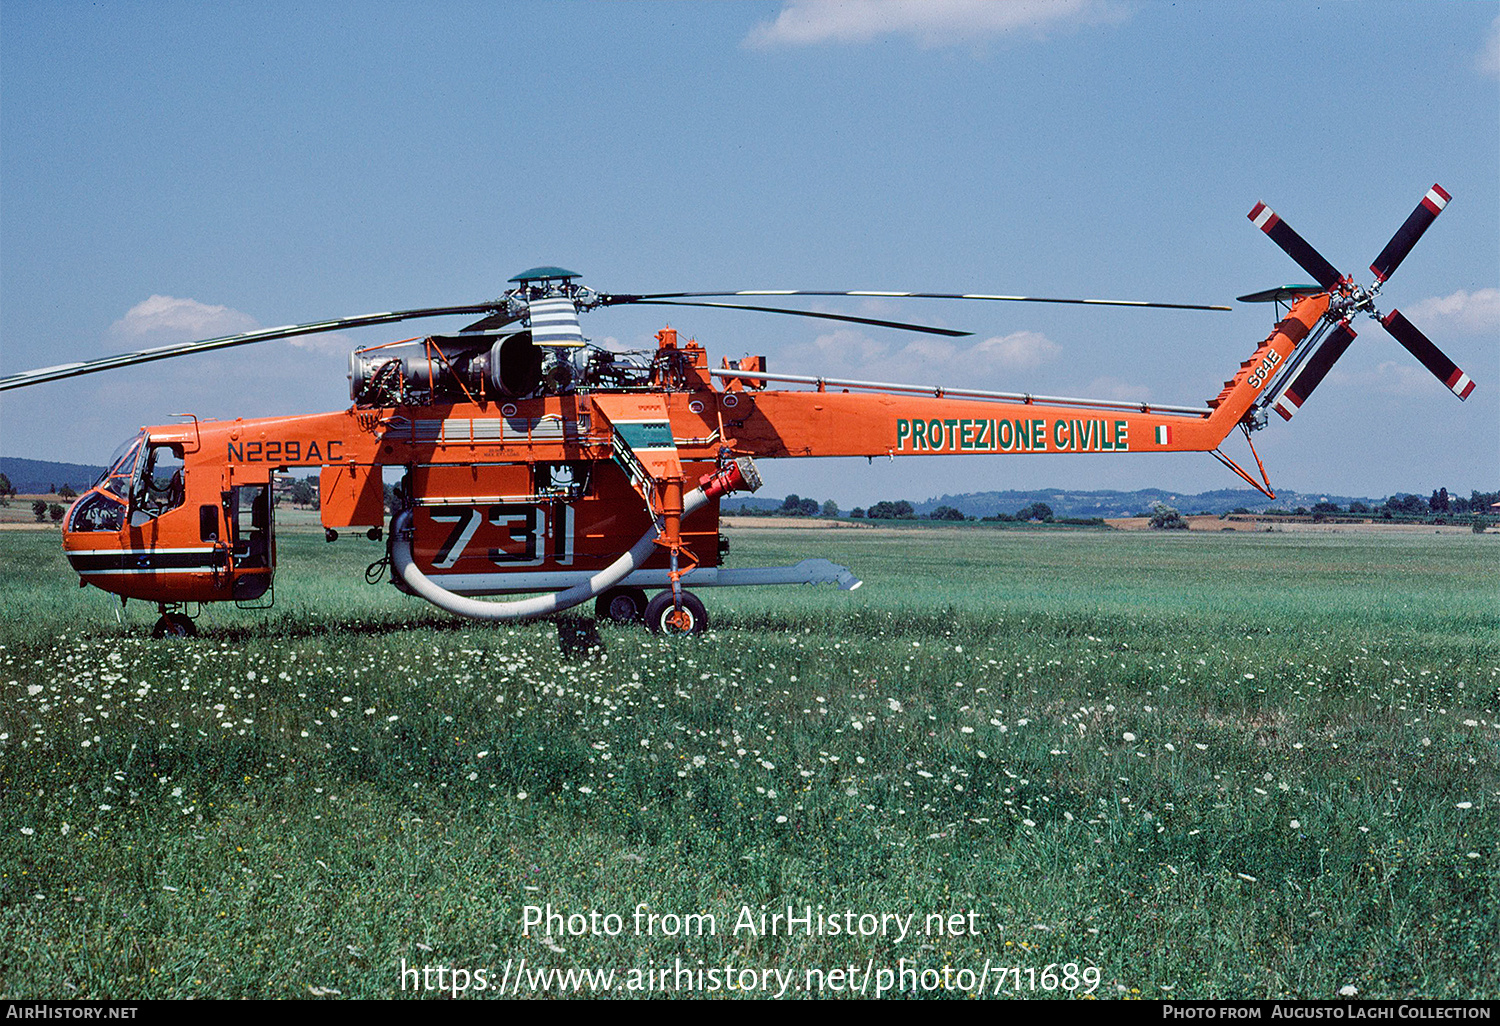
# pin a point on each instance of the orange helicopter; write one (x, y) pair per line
(536, 463)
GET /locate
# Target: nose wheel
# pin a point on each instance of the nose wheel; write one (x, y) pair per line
(663, 616)
(175, 625)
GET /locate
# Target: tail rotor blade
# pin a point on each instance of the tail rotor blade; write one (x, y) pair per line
(1318, 364)
(1431, 357)
(1296, 247)
(1407, 235)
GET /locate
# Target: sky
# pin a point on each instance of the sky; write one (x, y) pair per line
(171, 171)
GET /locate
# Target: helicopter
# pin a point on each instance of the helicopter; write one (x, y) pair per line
(534, 463)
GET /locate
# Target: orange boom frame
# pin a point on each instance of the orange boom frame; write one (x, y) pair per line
(531, 463)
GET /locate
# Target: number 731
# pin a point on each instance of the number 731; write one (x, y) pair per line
(512, 534)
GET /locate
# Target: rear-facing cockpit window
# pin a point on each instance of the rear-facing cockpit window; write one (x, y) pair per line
(97, 512)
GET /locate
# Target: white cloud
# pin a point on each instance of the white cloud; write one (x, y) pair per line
(166, 319)
(325, 342)
(1114, 388)
(1022, 350)
(926, 360)
(1472, 313)
(248, 382)
(163, 320)
(1405, 378)
(931, 23)
(1402, 377)
(1489, 57)
(615, 344)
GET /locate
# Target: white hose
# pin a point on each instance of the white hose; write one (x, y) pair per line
(537, 605)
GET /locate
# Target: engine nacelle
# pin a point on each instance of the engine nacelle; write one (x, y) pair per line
(508, 367)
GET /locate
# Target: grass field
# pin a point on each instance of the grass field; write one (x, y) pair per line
(1184, 765)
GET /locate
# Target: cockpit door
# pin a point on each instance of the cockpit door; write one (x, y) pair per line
(247, 511)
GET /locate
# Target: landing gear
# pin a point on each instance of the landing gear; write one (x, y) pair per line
(621, 605)
(663, 616)
(629, 605)
(174, 625)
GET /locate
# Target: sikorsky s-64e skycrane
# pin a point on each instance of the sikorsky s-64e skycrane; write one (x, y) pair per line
(534, 462)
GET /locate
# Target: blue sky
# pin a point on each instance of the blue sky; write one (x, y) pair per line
(172, 171)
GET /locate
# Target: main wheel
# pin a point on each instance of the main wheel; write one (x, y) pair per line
(174, 625)
(663, 617)
(621, 605)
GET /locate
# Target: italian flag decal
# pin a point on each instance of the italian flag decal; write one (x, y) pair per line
(1163, 434)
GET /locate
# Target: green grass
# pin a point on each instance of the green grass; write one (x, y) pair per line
(1097, 742)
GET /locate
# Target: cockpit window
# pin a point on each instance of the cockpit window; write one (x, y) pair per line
(121, 470)
(161, 485)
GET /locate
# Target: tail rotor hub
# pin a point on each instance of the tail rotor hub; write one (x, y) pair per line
(1347, 299)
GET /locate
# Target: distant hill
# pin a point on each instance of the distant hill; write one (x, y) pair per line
(1073, 503)
(1066, 502)
(35, 477)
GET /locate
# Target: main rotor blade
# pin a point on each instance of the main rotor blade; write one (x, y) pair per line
(69, 370)
(1407, 235)
(870, 294)
(1296, 392)
(1296, 247)
(810, 313)
(498, 319)
(1420, 346)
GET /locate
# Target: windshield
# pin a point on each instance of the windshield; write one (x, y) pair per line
(122, 467)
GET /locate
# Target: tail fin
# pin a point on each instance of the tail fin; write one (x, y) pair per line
(1241, 391)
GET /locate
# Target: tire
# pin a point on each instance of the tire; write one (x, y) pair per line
(621, 605)
(659, 612)
(174, 625)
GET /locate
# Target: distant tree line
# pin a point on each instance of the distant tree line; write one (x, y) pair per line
(1403, 505)
(1161, 516)
(8, 491)
(792, 506)
(1036, 512)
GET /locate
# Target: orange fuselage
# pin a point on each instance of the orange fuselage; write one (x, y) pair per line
(536, 491)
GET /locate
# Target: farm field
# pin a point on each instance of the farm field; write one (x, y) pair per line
(1153, 765)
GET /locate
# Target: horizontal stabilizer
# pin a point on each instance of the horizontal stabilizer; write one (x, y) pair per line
(1282, 294)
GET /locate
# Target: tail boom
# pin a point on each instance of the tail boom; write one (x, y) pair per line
(1255, 374)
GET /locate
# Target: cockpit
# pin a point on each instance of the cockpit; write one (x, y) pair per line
(102, 508)
(141, 479)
